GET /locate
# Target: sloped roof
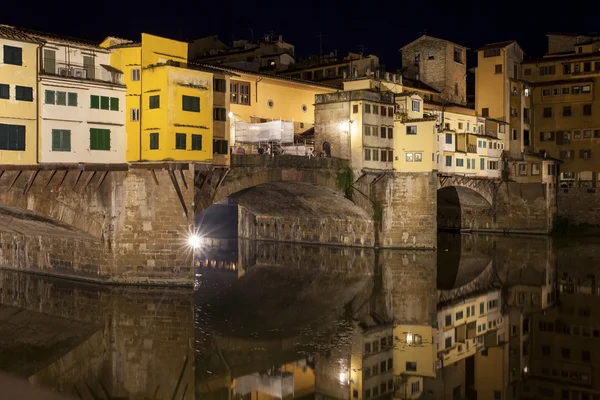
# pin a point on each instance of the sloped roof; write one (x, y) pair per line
(433, 38)
(497, 45)
(12, 33)
(61, 38)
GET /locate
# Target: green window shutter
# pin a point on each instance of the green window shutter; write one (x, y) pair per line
(105, 103)
(154, 101)
(4, 91)
(180, 141)
(190, 103)
(50, 97)
(61, 98)
(66, 140)
(154, 141)
(56, 136)
(114, 104)
(225, 149)
(93, 139)
(61, 140)
(94, 102)
(72, 99)
(196, 142)
(105, 139)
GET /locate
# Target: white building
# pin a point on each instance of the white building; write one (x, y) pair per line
(82, 102)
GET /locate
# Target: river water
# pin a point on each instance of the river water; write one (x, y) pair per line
(483, 317)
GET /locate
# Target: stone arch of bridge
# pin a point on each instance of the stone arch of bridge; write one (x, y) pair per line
(40, 201)
(460, 207)
(218, 184)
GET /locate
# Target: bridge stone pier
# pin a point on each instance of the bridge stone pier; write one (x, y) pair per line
(494, 205)
(116, 224)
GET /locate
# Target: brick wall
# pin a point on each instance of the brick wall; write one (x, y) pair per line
(579, 205)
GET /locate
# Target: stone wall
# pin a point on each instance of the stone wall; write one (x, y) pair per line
(301, 213)
(579, 205)
(327, 129)
(409, 204)
(122, 228)
(516, 208)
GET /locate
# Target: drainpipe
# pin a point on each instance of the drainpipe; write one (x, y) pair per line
(38, 134)
(256, 89)
(141, 99)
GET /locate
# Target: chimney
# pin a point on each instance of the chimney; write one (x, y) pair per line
(356, 73)
(368, 71)
(387, 76)
(280, 38)
(377, 74)
(344, 75)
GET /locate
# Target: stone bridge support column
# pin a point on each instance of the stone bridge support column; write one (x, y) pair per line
(152, 212)
(407, 207)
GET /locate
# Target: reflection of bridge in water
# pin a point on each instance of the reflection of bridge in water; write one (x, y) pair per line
(289, 320)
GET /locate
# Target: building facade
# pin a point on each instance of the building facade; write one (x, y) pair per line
(438, 63)
(169, 102)
(81, 105)
(566, 106)
(18, 96)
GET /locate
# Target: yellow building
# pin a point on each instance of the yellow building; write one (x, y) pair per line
(566, 102)
(18, 97)
(414, 359)
(415, 140)
(256, 97)
(170, 104)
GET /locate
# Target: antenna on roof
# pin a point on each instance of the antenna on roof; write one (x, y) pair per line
(362, 50)
(424, 32)
(321, 36)
(251, 35)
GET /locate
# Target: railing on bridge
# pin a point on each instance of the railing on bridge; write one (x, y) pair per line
(303, 162)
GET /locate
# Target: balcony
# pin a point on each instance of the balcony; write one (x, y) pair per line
(104, 73)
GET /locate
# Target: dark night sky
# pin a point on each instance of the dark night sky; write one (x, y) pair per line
(382, 27)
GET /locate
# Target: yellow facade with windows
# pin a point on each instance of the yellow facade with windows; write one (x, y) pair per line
(566, 114)
(256, 98)
(18, 97)
(169, 105)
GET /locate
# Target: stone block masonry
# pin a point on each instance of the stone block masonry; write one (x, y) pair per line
(408, 203)
(579, 205)
(302, 213)
(119, 227)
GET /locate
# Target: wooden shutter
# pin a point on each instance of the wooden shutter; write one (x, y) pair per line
(94, 102)
(105, 103)
(93, 139)
(114, 104)
(72, 99)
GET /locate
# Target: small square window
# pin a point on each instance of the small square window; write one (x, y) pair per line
(154, 101)
(135, 74)
(498, 68)
(180, 141)
(154, 141)
(411, 130)
(23, 93)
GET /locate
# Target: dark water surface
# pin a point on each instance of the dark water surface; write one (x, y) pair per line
(484, 317)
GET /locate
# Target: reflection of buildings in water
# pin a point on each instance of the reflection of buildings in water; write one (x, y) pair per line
(565, 339)
(276, 383)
